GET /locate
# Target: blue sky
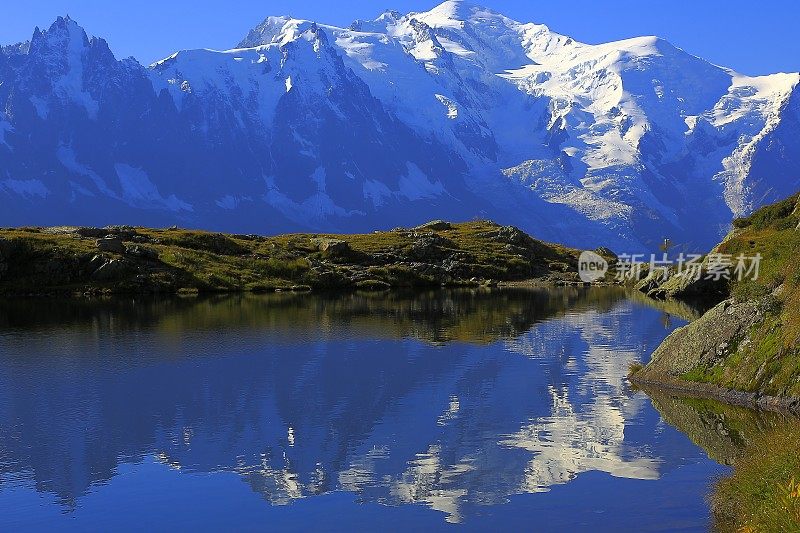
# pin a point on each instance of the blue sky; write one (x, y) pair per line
(752, 37)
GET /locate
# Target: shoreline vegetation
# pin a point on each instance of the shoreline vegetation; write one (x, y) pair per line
(746, 347)
(125, 260)
(744, 351)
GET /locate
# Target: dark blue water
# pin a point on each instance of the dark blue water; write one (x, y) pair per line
(426, 411)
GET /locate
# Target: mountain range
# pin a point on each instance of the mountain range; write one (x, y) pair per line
(458, 113)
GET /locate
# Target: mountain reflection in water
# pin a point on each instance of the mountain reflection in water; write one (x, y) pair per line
(453, 400)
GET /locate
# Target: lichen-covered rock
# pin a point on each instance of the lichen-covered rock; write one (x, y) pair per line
(704, 342)
(689, 287)
(508, 235)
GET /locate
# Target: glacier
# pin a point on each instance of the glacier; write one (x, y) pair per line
(458, 112)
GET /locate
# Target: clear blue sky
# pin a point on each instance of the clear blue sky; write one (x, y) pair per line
(754, 37)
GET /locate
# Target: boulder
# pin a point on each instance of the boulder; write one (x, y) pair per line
(605, 252)
(92, 233)
(704, 342)
(435, 225)
(113, 270)
(141, 252)
(429, 247)
(126, 233)
(331, 247)
(653, 280)
(373, 285)
(112, 244)
(688, 287)
(508, 235)
(512, 235)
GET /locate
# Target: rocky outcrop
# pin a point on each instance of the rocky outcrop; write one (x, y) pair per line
(126, 259)
(435, 225)
(713, 356)
(683, 287)
(331, 248)
(703, 343)
(110, 244)
(141, 252)
(113, 270)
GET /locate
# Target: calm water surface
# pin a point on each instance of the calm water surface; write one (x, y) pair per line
(490, 410)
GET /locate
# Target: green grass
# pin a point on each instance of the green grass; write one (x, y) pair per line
(38, 260)
(764, 492)
(780, 215)
(770, 362)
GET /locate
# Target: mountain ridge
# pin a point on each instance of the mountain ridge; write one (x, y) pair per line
(458, 112)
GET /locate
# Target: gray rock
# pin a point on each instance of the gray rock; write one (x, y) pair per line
(113, 270)
(331, 247)
(430, 247)
(435, 225)
(141, 252)
(92, 233)
(687, 287)
(605, 252)
(654, 279)
(126, 233)
(111, 244)
(509, 235)
(96, 262)
(704, 342)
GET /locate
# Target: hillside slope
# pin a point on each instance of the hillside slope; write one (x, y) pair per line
(73, 260)
(750, 342)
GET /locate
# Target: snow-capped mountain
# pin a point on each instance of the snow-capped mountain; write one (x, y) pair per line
(458, 112)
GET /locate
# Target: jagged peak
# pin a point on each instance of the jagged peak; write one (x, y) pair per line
(266, 32)
(283, 30)
(62, 34)
(389, 15)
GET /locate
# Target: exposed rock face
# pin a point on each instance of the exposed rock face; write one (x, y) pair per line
(112, 270)
(429, 247)
(704, 342)
(332, 247)
(653, 280)
(435, 225)
(660, 285)
(111, 244)
(141, 252)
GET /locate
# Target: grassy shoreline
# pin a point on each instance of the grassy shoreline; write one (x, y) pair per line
(746, 351)
(121, 260)
(763, 494)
